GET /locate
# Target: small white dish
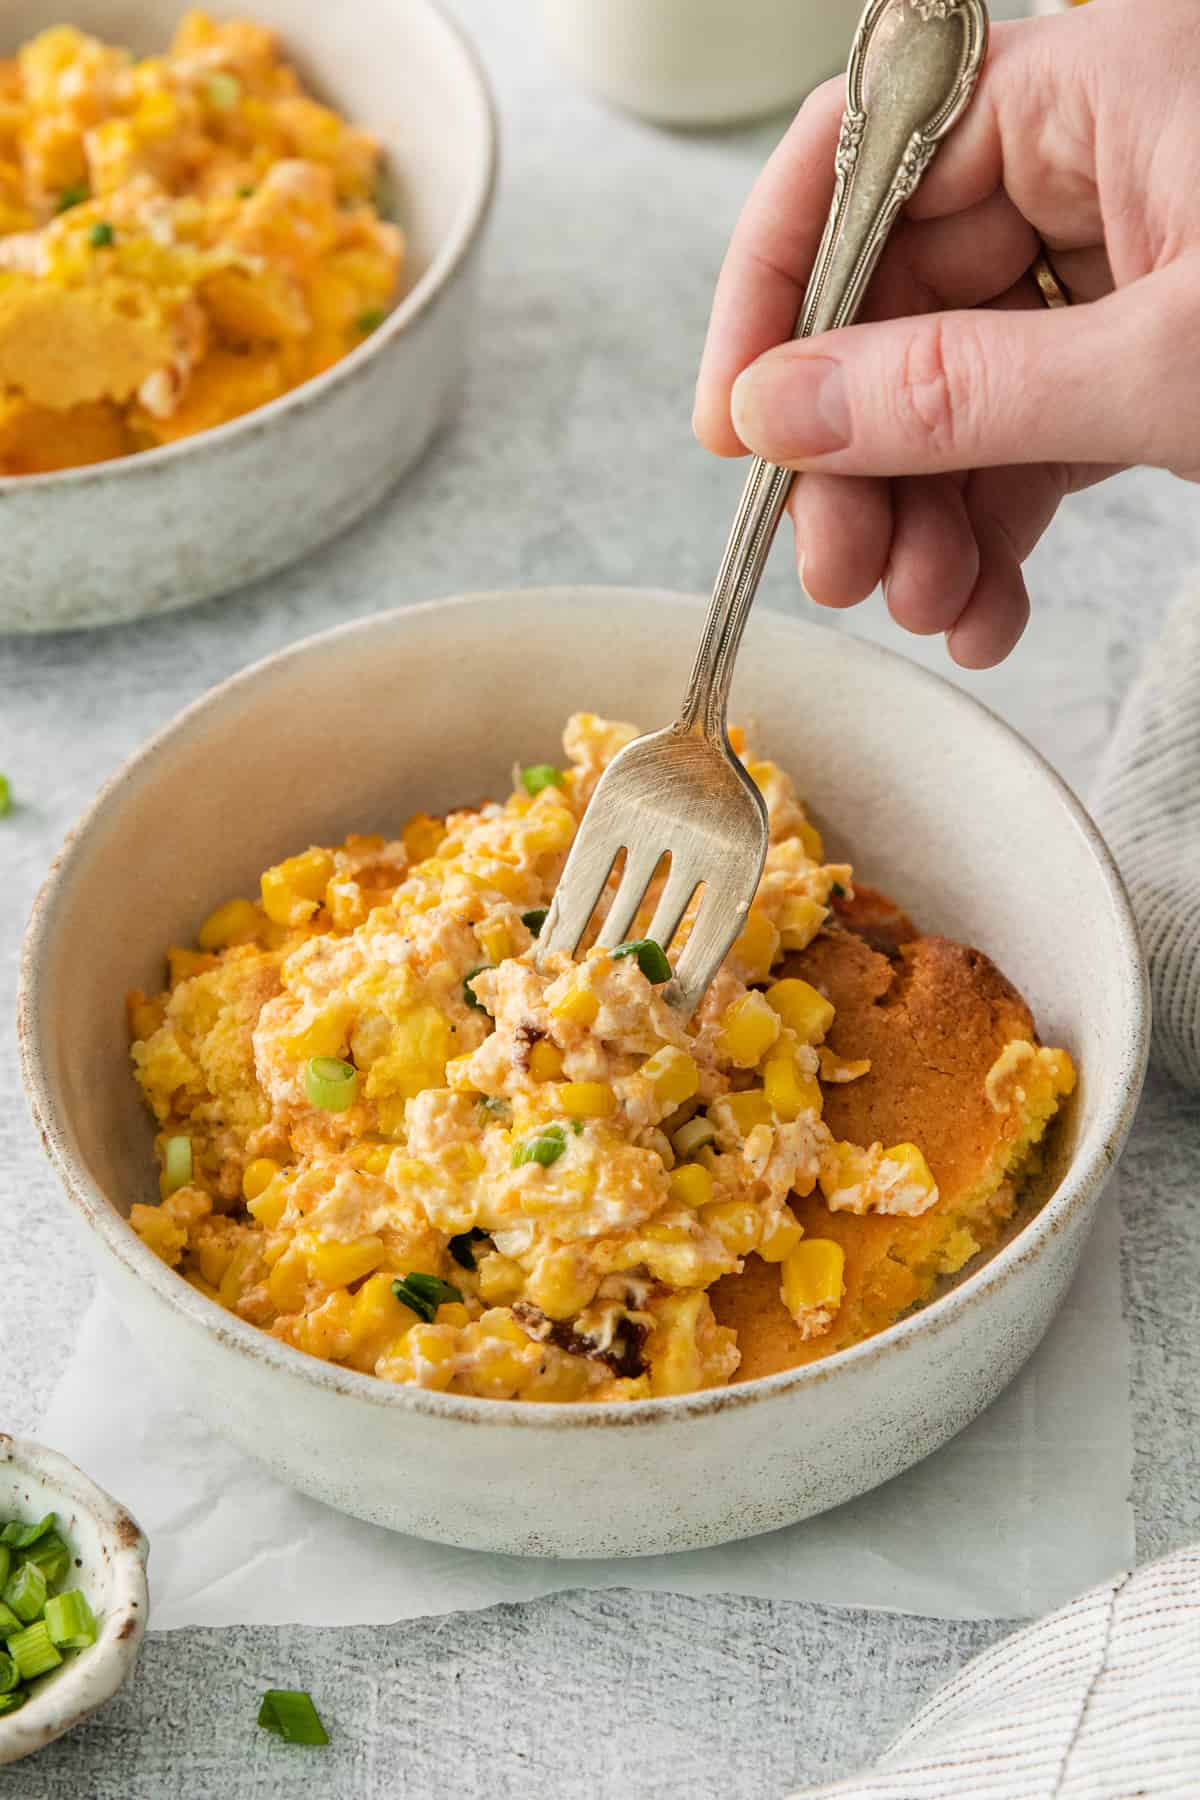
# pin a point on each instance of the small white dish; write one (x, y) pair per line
(934, 799)
(142, 535)
(110, 1567)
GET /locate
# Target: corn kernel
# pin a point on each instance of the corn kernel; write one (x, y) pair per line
(422, 837)
(495, 941)
(269, 1206)
(233, 1285)
(676, 1366)
(789, 1091)
(372, 1159)
(430, 1351)
(673, 1073)
(545, 1061)
(915, 1169)
(579, 1007)
(326, 1332)
(562, 1283)
(258, 1175)
(324, 1035)
(781, 1236)
(586, 1099)
(735, 1222)
(800, 919)
(810, 838)
(335, 1264)
(453, 1312)
(748, 1029)
(237, 922)
(501, 1280)
(377, 1310)
(287, 1283)
(757, 947)
(549, 828)
(836, 1069)
(761, 773)
(813, 1276)
(420, 1047)
(690, 1184)
(144, 1015)
(293, 889)
(183, 964)
(737, 740)
(808, 1013)
(749, 1109)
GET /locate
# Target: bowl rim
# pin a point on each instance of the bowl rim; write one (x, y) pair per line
(86, 1683)
(1086, 1174)
(445, 265)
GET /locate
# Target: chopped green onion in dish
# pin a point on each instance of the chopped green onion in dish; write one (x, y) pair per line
(71, 196)
(651, 958)
(5, 795)
(51, 1556)
(423, 1294)
(224, 91)
(245, 189)
(70, 1621)
(693, 1136)
(33, 1652)
(177, 1164)
(10, 1702)
(5, 1567)
(496, 1103)
(291, 1715)
(838, 890)
(101, 235)
(544, 1147)
(10, 1675)
(21, 1536)
(469, 994)
(541, 775)
(533, 921)
(25, 1592)
(9, 1621)
(462, 1246)
(370, 319)
(330, 1083)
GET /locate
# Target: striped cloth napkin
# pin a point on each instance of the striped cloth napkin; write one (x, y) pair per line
(1100, 1701)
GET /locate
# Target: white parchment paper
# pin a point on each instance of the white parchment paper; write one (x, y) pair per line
(1026, 1507)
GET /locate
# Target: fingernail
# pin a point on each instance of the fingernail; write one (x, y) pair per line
(789, 409)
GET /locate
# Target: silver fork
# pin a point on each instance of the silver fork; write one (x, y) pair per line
(682, 792)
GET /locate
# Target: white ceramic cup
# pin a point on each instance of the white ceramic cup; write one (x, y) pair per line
(702, 62)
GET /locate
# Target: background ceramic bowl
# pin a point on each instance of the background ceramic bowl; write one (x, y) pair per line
(111, 1570)
(942, 805)
(172, 526)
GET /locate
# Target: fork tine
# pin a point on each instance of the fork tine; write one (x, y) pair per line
(681, 885)
(640, 865)
(583, 881)
(717, 925)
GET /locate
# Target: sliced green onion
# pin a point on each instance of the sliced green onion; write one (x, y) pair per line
(51, 1556)
(21, 1536)
(533, 921)
(25, 1592)
(330, 1083)
(423, 1294)
(545, 1147)
(177, 1164)
(70, 1621)
(101, 235)
(693, 1136)
(245, 189)
(370, 319)
(33, 1652)
(469, 994)
(651, 958)
(10, 1702)
(71, 196)
(541, 775)
(224, 91)
(577, 1127)
(9, 1674)
(496, 1103)
(839, 890)
(5, 795)
(291, 1715)
(5, 1563)
(9, 1621)
(462, 1246)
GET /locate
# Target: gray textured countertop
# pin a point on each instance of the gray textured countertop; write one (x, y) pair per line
(570, 460)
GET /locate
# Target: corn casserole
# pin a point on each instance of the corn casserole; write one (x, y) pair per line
(387, 1138)
(182, 238)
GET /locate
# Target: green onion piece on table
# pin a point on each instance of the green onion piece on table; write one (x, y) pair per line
(291, 1715)
(545, 1147)
(21, 1536)
(70, 1621)
(10, 1702)
(9, 1674)
(33, 1652)
(651, 958)
(541, 775)
(5, 795)
(25, 1592)
(469, 994)
(423, 1294)
(693, 1136)
(533, 921)
(177, 1164)
(51, 1556)
(331, 1085)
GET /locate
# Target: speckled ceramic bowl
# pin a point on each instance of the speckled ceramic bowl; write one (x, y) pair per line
(110, 1567)
(939, 803)
(172, 526)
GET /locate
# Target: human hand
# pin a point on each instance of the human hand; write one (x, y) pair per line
(937, 437)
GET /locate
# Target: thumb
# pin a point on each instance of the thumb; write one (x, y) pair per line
(1111, 381)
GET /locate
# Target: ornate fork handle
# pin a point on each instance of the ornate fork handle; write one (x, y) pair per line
(913, 69)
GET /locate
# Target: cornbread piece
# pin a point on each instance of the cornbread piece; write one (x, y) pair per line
(934, 1023)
